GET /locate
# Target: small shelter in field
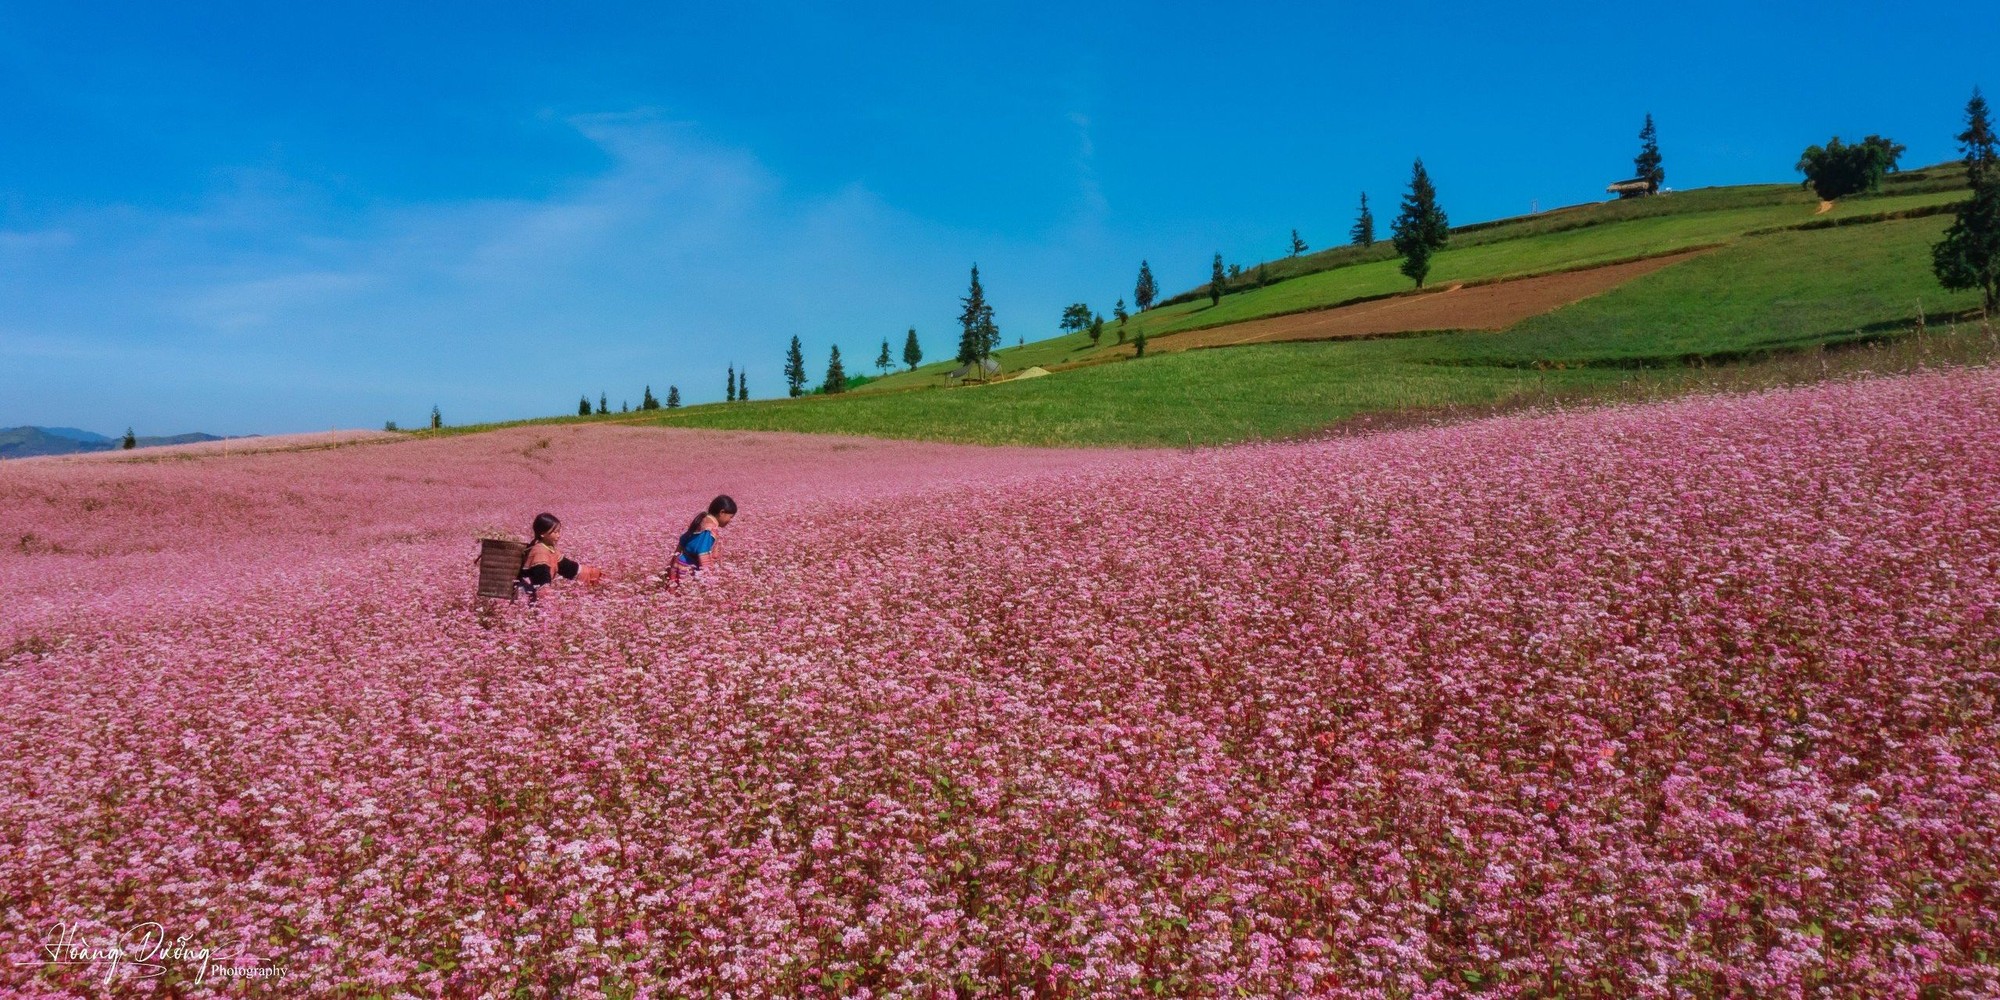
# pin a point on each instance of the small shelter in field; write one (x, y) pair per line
(984, 368)
(1637, 187)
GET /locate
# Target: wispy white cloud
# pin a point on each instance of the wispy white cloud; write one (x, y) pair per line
(255, 303)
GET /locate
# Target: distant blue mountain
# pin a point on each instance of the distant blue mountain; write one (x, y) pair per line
(27, 442)
(87, 437)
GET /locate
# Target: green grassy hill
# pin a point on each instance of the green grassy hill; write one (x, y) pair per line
(1749, 303)
(1562, 239)
(1785, 280)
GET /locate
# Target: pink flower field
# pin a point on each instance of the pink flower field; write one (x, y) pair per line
(1671, 701)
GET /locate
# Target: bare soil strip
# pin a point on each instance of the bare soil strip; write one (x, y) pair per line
(1494, 306)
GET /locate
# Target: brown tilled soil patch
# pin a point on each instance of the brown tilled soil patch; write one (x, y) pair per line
(1480, 307)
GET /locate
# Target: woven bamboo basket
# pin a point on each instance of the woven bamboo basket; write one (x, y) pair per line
(499, 563)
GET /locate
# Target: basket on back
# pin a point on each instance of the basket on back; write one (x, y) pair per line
(499, 563)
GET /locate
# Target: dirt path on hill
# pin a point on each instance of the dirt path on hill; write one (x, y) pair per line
(1480, 307)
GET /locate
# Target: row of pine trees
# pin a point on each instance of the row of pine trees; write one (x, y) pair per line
(648, 401)
(837, 379)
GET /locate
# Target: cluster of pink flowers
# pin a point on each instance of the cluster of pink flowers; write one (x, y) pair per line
(1697, 699)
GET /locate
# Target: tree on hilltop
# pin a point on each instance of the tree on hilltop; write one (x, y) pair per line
(913, 352)
(1298, 245)
(583, 406)
(1969, 255)
(673, 397)
(729, 396)
(1838, 170)
(1646, 166)
(1146, 290)
(603, 403)
(1118, 313)
(1363, 233)
(883, 362)
(978, 334)
(437, 419)
(836, 376)
(795, 368)
(1215, 279)
(647, 402)
(742, 386)
(131, 440)
(1096, 330)
(1421, 230)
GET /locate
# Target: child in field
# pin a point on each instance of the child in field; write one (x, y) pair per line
(696, 549)
(544, 562)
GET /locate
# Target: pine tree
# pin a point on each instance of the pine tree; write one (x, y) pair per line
(1646, 166)
(1421, 230)
(603, 403)
(978, 334)
(437, 419)
(1298, 245)
(1969, 255)
(1215, 280)
(913, 352)
(1144, 293)
(673, 397)
(883, 362)
(1977, 143)
(730, 394)
(743, 386)
(1139, 344)
(131, 440)
(583, 406)
(647, 402)
(624, 406)
(836, 377)
(1118, 313)
(1363, 233)
(795, 368)
(1096, 330)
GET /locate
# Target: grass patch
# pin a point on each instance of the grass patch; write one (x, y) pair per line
(1188, 398)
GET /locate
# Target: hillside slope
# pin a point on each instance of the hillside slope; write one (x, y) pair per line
(1748, 311)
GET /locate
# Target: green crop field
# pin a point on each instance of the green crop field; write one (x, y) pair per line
(1784, 290)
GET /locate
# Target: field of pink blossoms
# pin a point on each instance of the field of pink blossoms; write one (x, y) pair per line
(1684, 700)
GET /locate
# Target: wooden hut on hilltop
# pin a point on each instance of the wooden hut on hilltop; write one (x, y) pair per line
(1637, 187)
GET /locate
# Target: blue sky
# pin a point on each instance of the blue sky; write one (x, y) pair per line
(258, 218)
